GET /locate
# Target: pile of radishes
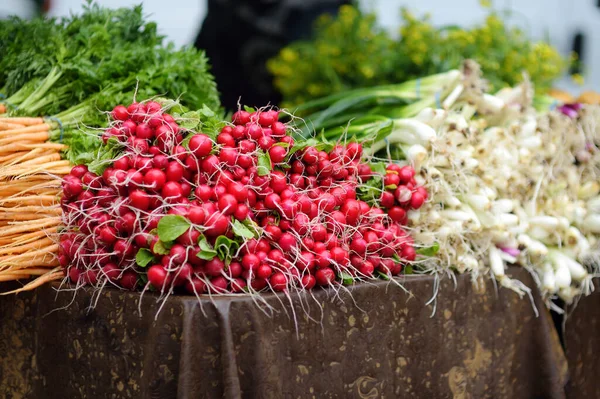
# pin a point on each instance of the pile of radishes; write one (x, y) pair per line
(246, 211)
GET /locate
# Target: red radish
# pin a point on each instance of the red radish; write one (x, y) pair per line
(226, 140)
(393, 168)
(408, 253)
(289, 208)
(273, 232)
(107, 235)
(144, 131)
(405, 174)
(391, 179)
(200, 145)
(258, 284)
(397, 214)
(111, 271)
(214, 267)
(250, 262)
(235, 269)
(278, 129)
(179, 152)
(241, 118)
(196, 215)
(238, 285)
(242, 212)
(266, 119)
(120, 113)
(171, 190)
(366, 269)
(308, 281)
(310, 155)
(417, 200)
(238, 190)
(227, 204)
(278, 281)
(277, 154)
(155, 179)
(325, 276)
(287, 242)
(264, 271)
(195, 286)
(218, 284)
(157, 276)
(174, 171)
(217, 224)
(140, 200)
(189, 238)
(129, 280)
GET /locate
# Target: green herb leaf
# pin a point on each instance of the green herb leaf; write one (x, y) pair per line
(383, 275)
(263, 167)
(189, 120)
(172, 226)
(161, 248)
(429, 251)
(207, 252)
(249, 109)
(226, 248)
(378, 168)
(408, 269)
(346, 278)
(253, 226)
(143, 257)
(241, 231)
(391, 187)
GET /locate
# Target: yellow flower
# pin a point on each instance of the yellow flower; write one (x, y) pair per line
(485, 3)
(288, 55)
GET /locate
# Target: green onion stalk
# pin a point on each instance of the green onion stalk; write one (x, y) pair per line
(361, 113)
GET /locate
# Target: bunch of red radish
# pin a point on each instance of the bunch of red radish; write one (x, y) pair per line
(306, 225)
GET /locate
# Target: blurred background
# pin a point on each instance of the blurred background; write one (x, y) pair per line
(567, 25)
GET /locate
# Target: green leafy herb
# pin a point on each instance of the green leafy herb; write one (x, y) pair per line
(143, 257)
(263, 167)
(206, 252)
(161, 248)
(383, 275)
(346, 278)
(241, 230)
(170, 227)
(226, 248)
(429, 251)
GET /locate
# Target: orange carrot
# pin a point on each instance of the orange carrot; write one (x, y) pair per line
(42, 127)
(10, 126)
(23, 120)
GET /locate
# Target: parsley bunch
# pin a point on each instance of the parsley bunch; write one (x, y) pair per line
(72, 68)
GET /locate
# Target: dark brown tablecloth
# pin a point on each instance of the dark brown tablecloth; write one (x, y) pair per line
(379, 343)
(582, 347)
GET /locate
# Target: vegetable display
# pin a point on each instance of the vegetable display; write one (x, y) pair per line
(508, 184)
(241, 207)
(351, 51)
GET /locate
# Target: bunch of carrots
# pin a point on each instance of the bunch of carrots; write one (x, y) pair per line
(31, 171)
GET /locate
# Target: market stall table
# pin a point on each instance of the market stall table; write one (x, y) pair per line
(480, 343)
(582, 346)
